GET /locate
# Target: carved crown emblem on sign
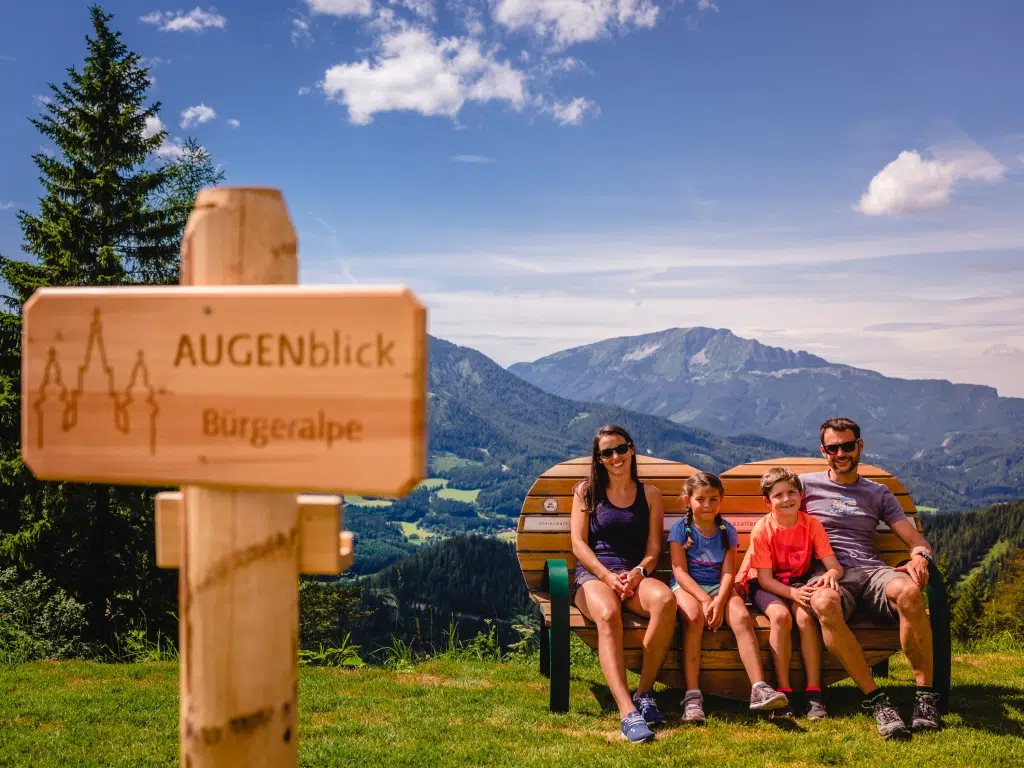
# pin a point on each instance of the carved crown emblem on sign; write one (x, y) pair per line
(138, 390)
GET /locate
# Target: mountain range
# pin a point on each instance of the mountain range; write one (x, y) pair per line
(957, 440)
(530, 416)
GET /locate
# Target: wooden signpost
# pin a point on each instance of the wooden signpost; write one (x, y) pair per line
(251, 392)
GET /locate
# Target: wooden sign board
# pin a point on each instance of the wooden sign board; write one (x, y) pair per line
(313, 388)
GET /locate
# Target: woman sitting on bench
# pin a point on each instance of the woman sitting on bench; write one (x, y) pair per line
(617, 535)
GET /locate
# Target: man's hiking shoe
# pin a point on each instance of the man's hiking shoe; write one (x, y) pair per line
(693, 707)
(763, 698)
(635, 729)
(890, 724)
(648, 708)
(816, 708)
(926, 712)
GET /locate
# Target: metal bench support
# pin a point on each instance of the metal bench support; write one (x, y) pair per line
(554, 642)
(938, 608)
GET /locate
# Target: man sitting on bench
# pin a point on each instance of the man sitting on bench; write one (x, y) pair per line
(849, 507)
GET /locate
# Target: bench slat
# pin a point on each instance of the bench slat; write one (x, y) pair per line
(730, 660)
(558, 543)
(739, 486)
(535, 504)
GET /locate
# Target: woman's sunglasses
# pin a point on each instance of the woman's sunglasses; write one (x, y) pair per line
(833, 448)
(620, 449)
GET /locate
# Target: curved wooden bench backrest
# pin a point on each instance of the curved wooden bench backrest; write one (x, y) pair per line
(543, 530)
(543, 533)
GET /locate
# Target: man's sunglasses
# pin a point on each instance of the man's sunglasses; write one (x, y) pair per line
(620, 449)
(833, 448)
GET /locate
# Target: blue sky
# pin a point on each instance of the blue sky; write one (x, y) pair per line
(843, 178)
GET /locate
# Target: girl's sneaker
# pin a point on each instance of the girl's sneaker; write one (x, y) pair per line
(763, 697)
(648, 708)
(693, 707)
(635, 729)
(816, 708)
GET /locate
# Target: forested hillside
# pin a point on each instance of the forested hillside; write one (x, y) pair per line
(982, 554)
(465, 582)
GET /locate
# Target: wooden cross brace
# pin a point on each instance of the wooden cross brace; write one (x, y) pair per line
(324, 548)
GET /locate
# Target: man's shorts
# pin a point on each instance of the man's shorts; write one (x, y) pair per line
(864, 587)
(709, 589)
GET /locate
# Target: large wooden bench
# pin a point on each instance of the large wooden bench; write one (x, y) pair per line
(548, 565)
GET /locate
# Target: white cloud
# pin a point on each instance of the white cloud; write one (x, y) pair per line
(304, 90)
(42, 100)
(300, 31)
(234, 123)
(414, 70)
(575, 21)
(195, 20)
(706, 5)
(196, 115)
(911, 184)
(572, 112)
(7, 58)
(475, 159)
(6, 206)
(171, 148)
(154, 125)
(340, 7)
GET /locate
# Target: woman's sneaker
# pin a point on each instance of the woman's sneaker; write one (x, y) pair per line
(648, 708)
(635, 729)
(693, 707)
(763, 697)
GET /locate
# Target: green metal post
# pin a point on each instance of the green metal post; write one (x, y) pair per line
(556, 584)
(545, 647)
(938, 608)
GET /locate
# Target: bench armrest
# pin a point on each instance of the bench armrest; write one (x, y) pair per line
(938, 609)
(556, 584)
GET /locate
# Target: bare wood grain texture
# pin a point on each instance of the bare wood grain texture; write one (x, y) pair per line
(238, 580)
(320, 521)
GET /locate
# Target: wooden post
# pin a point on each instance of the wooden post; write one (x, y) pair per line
(252, 393)
(238, 581)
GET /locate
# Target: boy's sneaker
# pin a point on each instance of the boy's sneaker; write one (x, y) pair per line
(693, 707)
(635, 729)
(763, 697)
(648, 708)
(926, 712)
(890, 724)
(816, 708)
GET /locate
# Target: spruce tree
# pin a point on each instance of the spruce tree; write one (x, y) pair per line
(104, 220)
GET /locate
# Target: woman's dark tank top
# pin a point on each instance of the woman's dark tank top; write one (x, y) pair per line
(618, 535)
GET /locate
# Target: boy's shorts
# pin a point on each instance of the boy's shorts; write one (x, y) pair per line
(710, 589)
(864, 587)
(761, 598)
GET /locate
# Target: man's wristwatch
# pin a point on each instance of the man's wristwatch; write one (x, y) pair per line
(925, 554)
(643, 571)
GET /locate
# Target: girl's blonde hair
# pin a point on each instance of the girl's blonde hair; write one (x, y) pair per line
(703, 480)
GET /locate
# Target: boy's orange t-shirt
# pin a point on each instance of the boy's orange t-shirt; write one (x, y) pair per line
(787, 551)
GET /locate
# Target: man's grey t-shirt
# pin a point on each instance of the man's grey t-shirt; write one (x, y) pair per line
(850, 514)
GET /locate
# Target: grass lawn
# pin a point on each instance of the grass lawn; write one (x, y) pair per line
(359, 501)
(449, 712)
(440, 462)
(458, 494)
(413, 528)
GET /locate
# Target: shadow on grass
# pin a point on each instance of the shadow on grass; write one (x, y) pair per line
(988, 708)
